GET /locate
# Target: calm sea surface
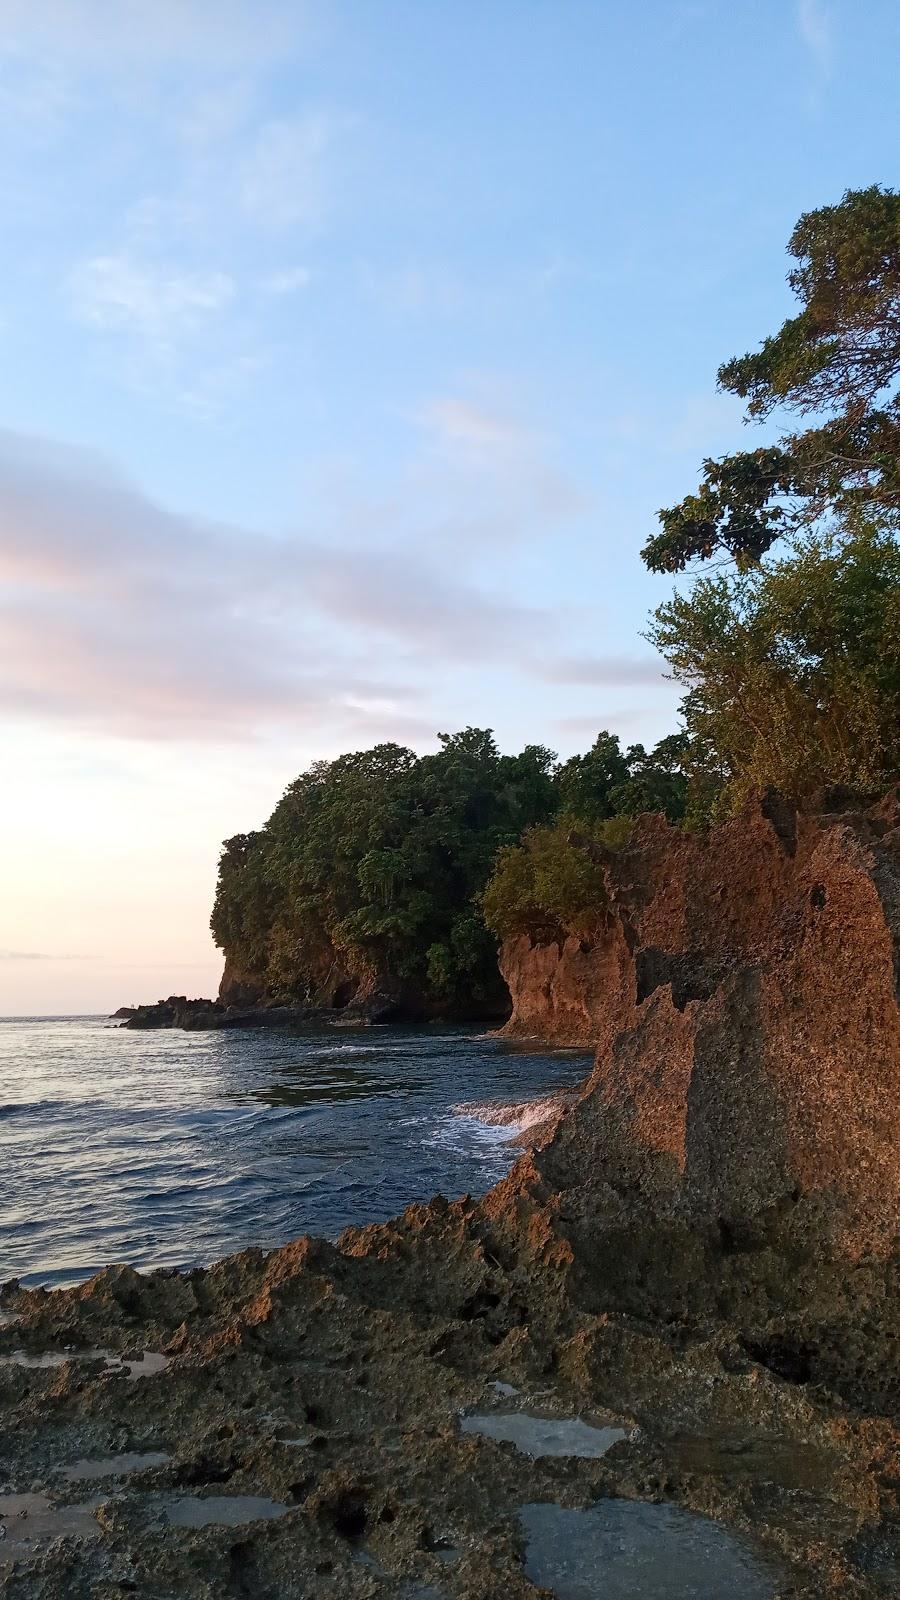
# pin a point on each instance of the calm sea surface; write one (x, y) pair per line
(172, 1149)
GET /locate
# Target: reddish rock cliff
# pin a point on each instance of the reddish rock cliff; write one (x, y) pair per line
(743, 998)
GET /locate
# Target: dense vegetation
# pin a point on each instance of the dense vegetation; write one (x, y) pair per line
(377, 862)
(373, 862)
(793, 667)
(789, 652)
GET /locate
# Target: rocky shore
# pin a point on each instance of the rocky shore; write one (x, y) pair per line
(659, 1360)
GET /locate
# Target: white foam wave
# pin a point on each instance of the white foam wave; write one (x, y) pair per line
(518, 1116)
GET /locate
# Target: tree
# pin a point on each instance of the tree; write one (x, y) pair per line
(838, 359)
(793, 668)
(606, 783)
(545, 887)
(586, 783)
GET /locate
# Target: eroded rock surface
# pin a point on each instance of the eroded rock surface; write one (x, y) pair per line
(742, 993)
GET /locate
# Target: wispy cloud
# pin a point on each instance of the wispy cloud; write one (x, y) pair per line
(193, 202)
(102, 32)
(27, 955)
(282, 179)
(602, 671)
(815, 26)
(157, 302)
(121, 615)
(290, 280)
(460, 421)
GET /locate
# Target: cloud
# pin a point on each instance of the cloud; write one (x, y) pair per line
(172, 331)
(100, 33)
(459, 421)
(814, 27)
(816, 30)
(121, 615)
(419, 605)
(602, 671)
(482, 455)
(157, 302)
(282, 179)
(27, 955)
(290, 280)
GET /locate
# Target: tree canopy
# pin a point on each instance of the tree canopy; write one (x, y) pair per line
(837, 360)
(793, 668)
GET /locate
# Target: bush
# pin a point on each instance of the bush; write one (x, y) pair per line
(547, 886)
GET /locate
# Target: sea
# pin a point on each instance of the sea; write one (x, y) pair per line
(171, 1149)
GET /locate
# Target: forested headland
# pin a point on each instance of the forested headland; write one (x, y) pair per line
(386, 869)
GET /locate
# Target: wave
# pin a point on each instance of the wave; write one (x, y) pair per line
(520, 1118)
(28, 1108)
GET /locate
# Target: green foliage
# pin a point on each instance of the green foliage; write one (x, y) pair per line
(793, 668)
(607, 783)
(585, 783)
(377, 857)
(838, 358)
(550, 884)
(547, 886)
(378, 861)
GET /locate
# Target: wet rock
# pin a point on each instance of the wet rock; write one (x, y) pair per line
(620, 1549)
(544, 1436)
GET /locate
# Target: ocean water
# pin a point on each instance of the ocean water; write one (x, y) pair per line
(170, 1149)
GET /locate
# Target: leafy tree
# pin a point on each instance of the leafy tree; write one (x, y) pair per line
(586, 783)
(548, 885)
(838, 359)
(793, 667)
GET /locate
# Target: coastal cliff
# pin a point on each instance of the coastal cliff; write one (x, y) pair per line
(703, 1257)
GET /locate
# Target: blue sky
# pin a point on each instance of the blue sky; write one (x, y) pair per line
(349, 350)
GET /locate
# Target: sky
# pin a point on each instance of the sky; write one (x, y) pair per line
(348, 349)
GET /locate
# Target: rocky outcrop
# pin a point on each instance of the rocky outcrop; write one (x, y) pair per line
(329, 981)
(239, 986)
(743, 996)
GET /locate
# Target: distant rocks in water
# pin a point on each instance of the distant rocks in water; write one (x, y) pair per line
(123, 1012)
(176, 1012)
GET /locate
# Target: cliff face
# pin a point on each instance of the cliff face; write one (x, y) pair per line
(329, 981)
(743, 998)
(337, 982)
